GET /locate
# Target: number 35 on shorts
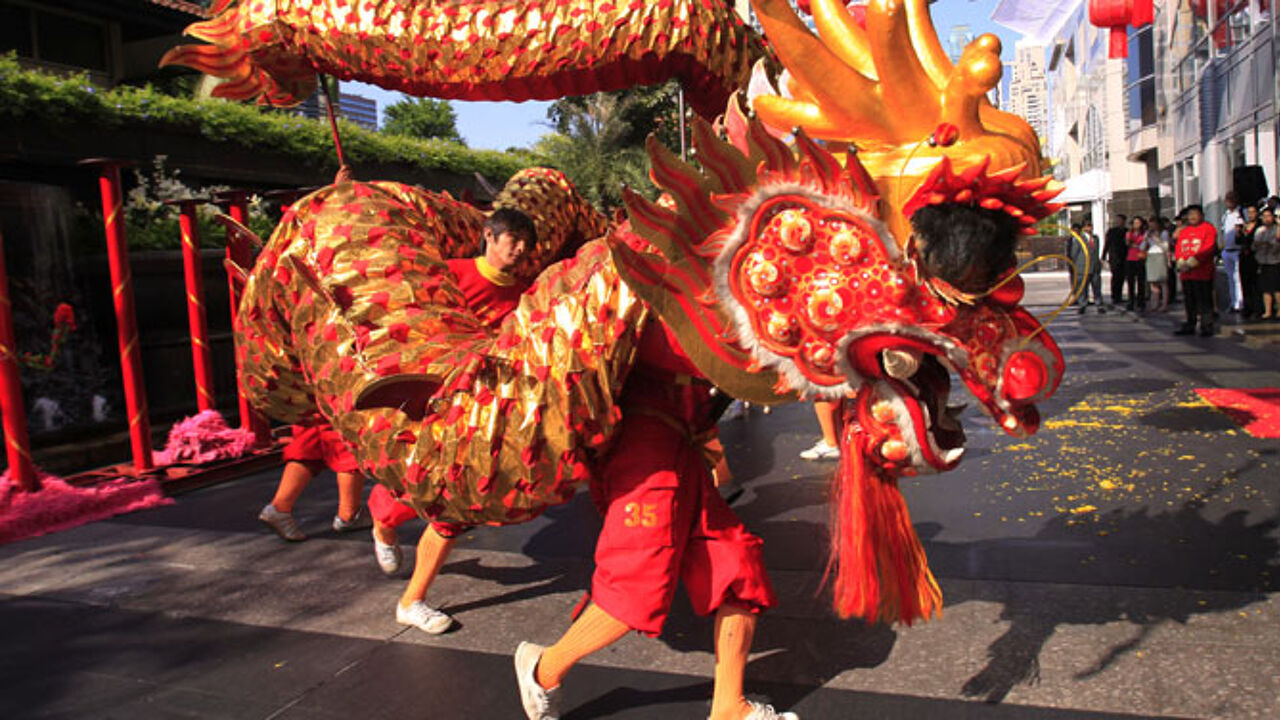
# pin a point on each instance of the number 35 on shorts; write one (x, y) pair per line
(640, 514)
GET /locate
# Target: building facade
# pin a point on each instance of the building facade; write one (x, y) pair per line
(358, 109)
(1190, 109)
(1086, 131)
(1215, 97)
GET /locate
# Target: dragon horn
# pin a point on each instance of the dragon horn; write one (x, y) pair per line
(846, 97)
(843, 35)
(908, 93)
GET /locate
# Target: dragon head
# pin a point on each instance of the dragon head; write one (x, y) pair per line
(811, 295)
(855, 240)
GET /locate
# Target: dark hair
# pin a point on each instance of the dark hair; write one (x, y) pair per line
(967, 246)
(1189, 208)
(511, 220)
(1076, 226)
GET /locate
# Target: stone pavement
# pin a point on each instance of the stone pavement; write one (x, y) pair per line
(1122, 563)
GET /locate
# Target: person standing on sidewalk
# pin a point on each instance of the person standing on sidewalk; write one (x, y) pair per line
(1157, 267)
(1084, 252)
(1266, 250)
(1232, 220)
(1167, 235)
(1251, 300)
(1197, 244)
(1114, 253)
(1135, 263)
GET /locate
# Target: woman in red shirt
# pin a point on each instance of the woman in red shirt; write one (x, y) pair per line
(1135, 263)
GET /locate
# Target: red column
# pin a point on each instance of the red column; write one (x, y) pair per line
(201, 357)
(236, 203)
(17, 445)
(135, 393)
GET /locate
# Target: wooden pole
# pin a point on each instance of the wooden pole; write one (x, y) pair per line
(135, 392)
(201, 356)
(236, 203)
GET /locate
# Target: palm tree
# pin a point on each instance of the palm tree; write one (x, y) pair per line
(599, 141)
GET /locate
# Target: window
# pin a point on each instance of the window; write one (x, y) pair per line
(1140, 90)
(15, 30)
(53, 37)
(1095, 141)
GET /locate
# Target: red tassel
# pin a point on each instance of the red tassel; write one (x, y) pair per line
(879, 569)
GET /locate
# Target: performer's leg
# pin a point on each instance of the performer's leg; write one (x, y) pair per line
(385, 534)
(433, 550)
(828, 448)
(594, 630)
(295, 478)
(278, 514)
(734, 630)
(350, 495)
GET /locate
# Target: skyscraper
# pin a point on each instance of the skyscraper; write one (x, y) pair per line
(1028, 89)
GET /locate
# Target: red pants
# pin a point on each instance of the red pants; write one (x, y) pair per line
(320, 443)
(385, 509)
(663, 522)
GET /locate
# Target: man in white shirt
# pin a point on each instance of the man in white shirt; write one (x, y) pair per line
(1231, 220)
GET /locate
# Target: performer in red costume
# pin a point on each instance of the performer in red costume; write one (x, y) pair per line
(664, 522)
(491, 292)
(1197, 242)
(312, 449)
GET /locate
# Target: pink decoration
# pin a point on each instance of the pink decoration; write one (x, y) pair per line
(61, 506)
(204, 438)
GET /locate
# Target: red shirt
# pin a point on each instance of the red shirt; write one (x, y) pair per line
(1137, 245)
(490, 299)
(1199, 242)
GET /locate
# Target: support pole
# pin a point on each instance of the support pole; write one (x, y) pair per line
(201, 357)
(17, 444)
(236, 203)
(684, 143)
(135, 392)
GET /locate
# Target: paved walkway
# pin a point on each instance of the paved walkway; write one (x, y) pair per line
(1125, 562)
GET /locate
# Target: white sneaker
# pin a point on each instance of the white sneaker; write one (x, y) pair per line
(282, 523)
(359, 521)
(539, 702)
(760, 711)
(389, 557)
(821, 451)
(424, 617)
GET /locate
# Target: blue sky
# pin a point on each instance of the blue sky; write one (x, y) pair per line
(499, 125)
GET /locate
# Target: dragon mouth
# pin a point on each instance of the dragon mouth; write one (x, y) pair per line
(908, 421)
(917, 386)
(911, 423)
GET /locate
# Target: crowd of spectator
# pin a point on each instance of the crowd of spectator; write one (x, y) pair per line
(1150, 257)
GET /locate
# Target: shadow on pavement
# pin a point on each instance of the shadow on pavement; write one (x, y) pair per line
(1195, 419)
(1236, 560)
(1121, 386)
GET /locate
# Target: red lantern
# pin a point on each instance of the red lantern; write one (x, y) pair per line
(1142, 13)
(1116, 15)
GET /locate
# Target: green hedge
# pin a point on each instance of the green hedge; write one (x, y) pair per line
(73, 100)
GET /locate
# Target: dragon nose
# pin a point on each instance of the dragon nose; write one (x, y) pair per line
(1025, 376)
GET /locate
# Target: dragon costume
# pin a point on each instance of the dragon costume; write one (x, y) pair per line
(783, 258)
